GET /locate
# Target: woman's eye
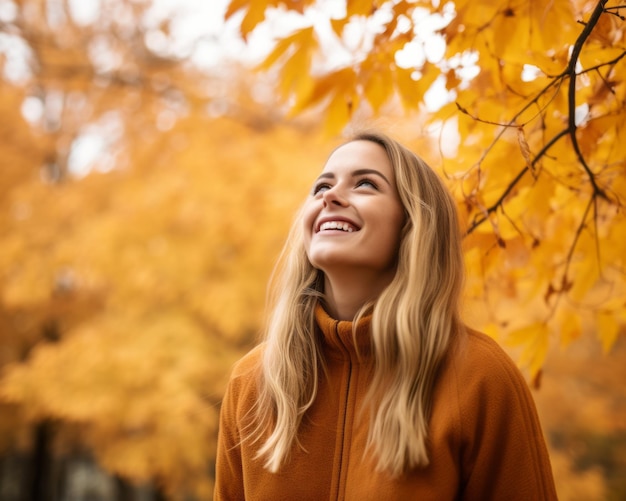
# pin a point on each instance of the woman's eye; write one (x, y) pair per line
(367, 184)
(319, 188)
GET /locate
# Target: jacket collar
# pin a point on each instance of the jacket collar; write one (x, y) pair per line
(338, 337)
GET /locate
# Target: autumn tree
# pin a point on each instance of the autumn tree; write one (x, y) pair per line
(528, 102)
(139, 218)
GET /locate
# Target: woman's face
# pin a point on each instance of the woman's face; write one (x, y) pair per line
(353, 218)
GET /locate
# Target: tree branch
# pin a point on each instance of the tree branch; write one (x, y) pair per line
(571, 93)
(615, 11)
(514, 182)
(570, 72)
(565, 285)
(513, 121)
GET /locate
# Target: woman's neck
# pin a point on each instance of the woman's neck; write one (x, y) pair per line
(346, 294)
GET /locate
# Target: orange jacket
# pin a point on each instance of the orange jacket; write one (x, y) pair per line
(485, 441)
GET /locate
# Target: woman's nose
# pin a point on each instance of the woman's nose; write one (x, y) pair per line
(334, 196)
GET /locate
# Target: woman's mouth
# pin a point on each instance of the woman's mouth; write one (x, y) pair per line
(337, 225)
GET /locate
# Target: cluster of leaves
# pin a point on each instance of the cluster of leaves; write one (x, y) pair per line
(175, 267)
(536, 100)
(126, 295)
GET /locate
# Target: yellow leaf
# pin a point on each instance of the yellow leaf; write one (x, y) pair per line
(552, 63)
(534, 341)
(570, 328)
(608, 329)
(492, 330)
(519, 29)
(295, 75)
(378, 89)
(340, 90)
(280, 49)
(338, 114)
(584, 275)
(608, 31)
(544, 16)
(412, 90)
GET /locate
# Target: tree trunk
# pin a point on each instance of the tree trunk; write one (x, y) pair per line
(41, 488)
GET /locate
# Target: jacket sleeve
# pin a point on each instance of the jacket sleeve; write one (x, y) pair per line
(228, 466)
(504, 455)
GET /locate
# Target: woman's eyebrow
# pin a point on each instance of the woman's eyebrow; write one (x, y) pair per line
(325, 175)
(362, 172)
(356, 173)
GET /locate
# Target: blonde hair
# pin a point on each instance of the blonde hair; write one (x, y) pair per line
(414, 321)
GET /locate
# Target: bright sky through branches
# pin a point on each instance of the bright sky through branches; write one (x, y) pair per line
(194, 31)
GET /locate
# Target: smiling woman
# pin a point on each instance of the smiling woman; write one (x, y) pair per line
(368, 384)
(352, 223)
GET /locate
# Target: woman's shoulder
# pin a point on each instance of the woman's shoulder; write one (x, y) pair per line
(480, 363)
(242, 388)
(476, 350)
(483, 374)
(497, 423)
(248, 365)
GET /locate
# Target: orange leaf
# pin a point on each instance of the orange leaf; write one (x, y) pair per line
(338, 25)
(343, 80)
(360, 7)
(452, 80)
(234, 6)
(254, 16)
(523, 144)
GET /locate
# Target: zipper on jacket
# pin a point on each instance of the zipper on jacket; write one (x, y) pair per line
(344, 417)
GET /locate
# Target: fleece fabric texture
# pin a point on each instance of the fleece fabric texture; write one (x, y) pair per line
(485, 441)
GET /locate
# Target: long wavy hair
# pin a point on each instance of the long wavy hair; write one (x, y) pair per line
(414, 321)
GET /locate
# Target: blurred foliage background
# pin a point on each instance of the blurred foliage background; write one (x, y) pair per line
(152, 156)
